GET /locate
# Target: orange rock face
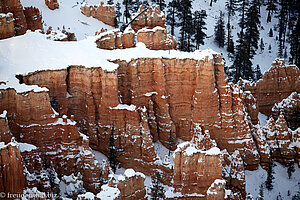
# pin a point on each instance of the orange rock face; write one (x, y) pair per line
(104, 13)
(11, 173)
(150, 19)
(16, 8)
(276, 84)
(52, 4)
(7, 27)
(156, 39)
(5, 134)
(217, 190)
(33, 18)
(165, 95)
(195, 170)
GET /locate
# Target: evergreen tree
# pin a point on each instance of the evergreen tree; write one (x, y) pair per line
(220, 31)
(171, 142)
(112, 151)
(271, 32)
(110, 2)
(271, 8)
(157, 189)
(262, 45)
(171, 15)
(257, 73)
(242, 61)
(270, 176)
(126, 14)
(199, 25)
(290, 170)
(118, 13)
(252, 33)
(283, 19)
(295, 46)
(161, 3)
(261, 192)
(279, 197)
(231, 6)
(185, 17)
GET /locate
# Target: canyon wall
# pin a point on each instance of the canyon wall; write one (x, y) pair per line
(6, 25)
(104, 13)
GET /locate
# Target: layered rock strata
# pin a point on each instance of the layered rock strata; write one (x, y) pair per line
(150, 19)
(275, 85)
(52, 4)
(104, 13)
(7, 27)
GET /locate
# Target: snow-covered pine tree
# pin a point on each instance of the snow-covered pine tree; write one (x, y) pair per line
(162, 4)
(283, 19)
(262, 45)
(271, 32)
(112, 151)
(171, 14)
(290, 170)
(295, 46)
(118, 13)
(185, 18)
(252, 33)
(157, 189)
(230, 7)
(220, 31)
(257, 73)
(199, 25)
(171, 142)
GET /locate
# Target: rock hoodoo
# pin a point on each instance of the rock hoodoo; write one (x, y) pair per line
(149, 19)
(104, 13)
(33, 18)
(7, 27)
(52, 4)
(196, 170)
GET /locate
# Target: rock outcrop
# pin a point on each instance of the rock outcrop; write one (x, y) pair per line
(280, 140)
(15, 7)
(5, 134)
(195, 170)
(52, 4)
(11, 169)
(33, 18)
(60, 35)
(104, 13)
(166, 95)
(150, 19)
(116, 40)
(7, 27)
(59, 144)
(290, 106)
(275, 85)
(217, 190)
(156, 38)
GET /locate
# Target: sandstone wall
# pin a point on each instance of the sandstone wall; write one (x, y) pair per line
(6, 25)
(178, 95)
(104, 13)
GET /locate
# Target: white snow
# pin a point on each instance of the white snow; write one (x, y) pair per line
(213, 151)
(26, 147)
(129, 173)
(282, 184)
(3, 115)
(262, 119)
(108, 193)
(87, 196)
(124, 107)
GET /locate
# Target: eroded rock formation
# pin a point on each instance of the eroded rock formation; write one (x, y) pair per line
(150, 19)
(52, 4)
(276, 84)
(104, 13)
(33, 18)
(156, 38)
(11, 169)
(7, 27)
(196, 170)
